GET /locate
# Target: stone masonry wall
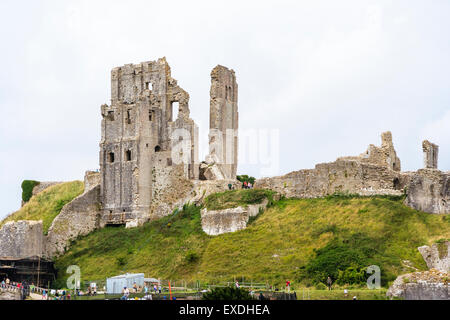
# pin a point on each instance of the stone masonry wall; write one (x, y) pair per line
(21, 239)
(215, 222)
(77, 218)
(340, 176)
(429, 191)
(437, 256)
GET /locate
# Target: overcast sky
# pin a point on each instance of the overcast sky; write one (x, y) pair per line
(329, 75)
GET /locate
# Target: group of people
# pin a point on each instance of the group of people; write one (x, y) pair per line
(247, 185)
(136, 289)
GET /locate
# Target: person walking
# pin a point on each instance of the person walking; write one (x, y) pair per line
(288, 286)
(329, 283)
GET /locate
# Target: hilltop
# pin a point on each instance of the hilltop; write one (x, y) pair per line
(299, 239)
(46, 205)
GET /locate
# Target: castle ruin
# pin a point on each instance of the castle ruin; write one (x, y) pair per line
(149, 166)
(143, 143)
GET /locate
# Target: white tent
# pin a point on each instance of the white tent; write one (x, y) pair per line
(116, 284)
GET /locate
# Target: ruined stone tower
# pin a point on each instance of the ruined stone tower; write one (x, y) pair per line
(138, 135)
(430, 155)
(223, 122)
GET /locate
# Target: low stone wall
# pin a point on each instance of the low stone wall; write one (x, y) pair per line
(427, 285)
(437, 256)
(77, 218)
(21, 239)
(344, 175)
(429, 191)
(215, 222)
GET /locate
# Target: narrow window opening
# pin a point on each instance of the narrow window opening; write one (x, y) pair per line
(150, 115)
(175, 109)
(396, 184)
(129, 116)
(111, 157)
(128, 155)
(111, 115)
(149, 86)
(157, 149)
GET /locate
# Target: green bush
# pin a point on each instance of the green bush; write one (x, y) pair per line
(27, 189)
(344, 260)
(245, 178)
(227, 293)
(192, 257)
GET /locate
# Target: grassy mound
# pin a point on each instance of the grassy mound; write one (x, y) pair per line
(235, 198)
(47, 204)
(302, 240)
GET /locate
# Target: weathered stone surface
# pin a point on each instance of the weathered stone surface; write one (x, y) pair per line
(77, 218)
(373, 173)
(135, 128)
(384, 156)
(223, 121)
(437, 256)
(426, 285)
(430, 155)
(210, 169)
(91, 180)
(21, 239)
(215, 222)
(429, 191)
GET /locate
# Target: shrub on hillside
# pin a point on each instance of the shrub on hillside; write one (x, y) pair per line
(27, 189)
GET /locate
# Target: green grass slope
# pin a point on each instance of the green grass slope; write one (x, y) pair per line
(303, 240)
(46, 205)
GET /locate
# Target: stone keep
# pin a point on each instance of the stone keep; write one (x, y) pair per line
(223, 121)
(137, 128)
(430, 155)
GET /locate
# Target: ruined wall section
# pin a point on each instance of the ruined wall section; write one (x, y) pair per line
(77, 218)
(430, 155)
(429, 191)
(223, 139)
(21, 239)
(341, 176)
(137, 125)
(385, 155)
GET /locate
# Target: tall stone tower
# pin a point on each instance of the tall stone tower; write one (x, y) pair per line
(223, 135)
(430, 155)
(137, 138)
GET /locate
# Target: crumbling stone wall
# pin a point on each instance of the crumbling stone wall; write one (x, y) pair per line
(223, 122)
(384, 156)
(138, 125)
(77, 218)
(21, 239)
(215, 222)
(91, 180)
(373, 173)
(437, 256)
(430, 155)
(429, 191)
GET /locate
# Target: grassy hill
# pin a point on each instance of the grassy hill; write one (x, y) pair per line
(46, 205)
(303, 240)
